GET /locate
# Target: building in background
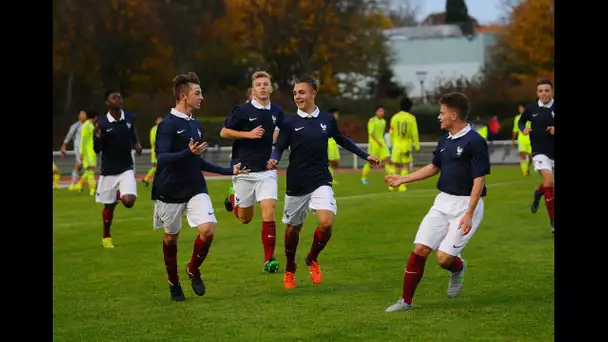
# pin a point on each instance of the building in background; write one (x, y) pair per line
(427, 55)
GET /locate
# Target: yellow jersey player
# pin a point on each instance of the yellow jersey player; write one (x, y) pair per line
(56, 176)
(87, 152)
(152, 170)
(523, 142)
(333, 152)
(376, 145)
(404, 135)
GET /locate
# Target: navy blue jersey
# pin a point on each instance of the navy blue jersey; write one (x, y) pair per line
(461, 158)
(253, 154)
(306, 135)
(541, 116)
(179, 174)
(117, 139)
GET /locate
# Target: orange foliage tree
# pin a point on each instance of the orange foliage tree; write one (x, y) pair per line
(527, 43)
(321, 37)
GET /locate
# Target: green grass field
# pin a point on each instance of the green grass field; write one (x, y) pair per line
(122, 294)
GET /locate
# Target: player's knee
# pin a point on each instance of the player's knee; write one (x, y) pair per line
(206, 231)
(171, 239)
(245, 215)
(128, 201)
(444, 260)
(268, 210)
(422, 250)
(325, 223)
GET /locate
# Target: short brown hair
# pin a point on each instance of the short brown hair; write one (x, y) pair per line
(182, 82)
(307, 79)
(545, 81)
(457, 102)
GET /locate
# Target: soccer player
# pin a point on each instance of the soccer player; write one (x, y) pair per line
(333, 151)
(404, 135)
(74, 135)
(180, 186)
(308, 178)
(56, 176)
(376, 145)
(541, 130)
(152, 170)
(115, 136)
(88, 157)
(461, 157)
(252, 126)
(523, 142)
(230, 197)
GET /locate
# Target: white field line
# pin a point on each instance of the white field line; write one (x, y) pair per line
(416, 193)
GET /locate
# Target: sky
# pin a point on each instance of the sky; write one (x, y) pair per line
(485, 11)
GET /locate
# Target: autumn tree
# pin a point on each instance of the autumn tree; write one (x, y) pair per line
(322, 37)
(457, 13)
(525, 48)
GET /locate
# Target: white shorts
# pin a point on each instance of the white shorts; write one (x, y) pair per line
(107, 186)
(439, 228)
(542, 162)
(198, 210)
(254, 187)
(296, 207)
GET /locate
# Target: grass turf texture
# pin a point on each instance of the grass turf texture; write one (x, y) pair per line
(122, 294)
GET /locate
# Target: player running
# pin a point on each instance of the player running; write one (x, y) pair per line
(88, 157)
(115, 136)
(333, 151)
(403, 134)
(541, 116)
(252, 126)
(74, 135)
(376, 145)
(180, 186)
(152, 170)
(461, 157)
(523, 142)
(308, 178)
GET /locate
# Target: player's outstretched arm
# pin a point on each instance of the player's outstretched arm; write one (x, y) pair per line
(70, 136)
(346, 143)
(164, 136)
(220, 170)
(420, 174)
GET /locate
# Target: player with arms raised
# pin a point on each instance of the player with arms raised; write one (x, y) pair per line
(403, 134)
(115, 136)
(461, 157)
(541, 115)
(179, 185)
(308, 178)
(376, 144)
(253, 127)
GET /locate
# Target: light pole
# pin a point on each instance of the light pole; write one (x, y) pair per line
(421, 77)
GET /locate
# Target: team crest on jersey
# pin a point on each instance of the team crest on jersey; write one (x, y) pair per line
(458, 151)
(128, 125)
(323, 128)
(274, 120)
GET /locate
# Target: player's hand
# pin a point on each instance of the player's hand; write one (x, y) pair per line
(393, 180)
(256, 133)
(466, 223)
(97, 131)
(551, 129)
(237, 170)
(62, 150)
(197, 148)
(138, 149)
(374, 161)
(526, 131)
(272, 164)
(513, 143)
